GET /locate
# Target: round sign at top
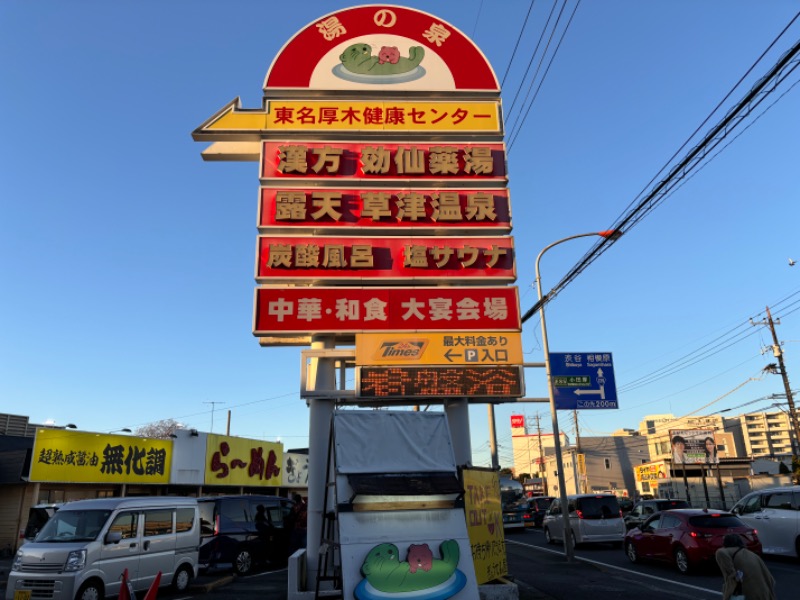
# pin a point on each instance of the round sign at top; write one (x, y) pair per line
(381, 48)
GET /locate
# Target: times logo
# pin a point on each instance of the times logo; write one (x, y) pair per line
(409, 350)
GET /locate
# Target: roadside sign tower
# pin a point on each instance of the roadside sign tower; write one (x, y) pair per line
(383, 216)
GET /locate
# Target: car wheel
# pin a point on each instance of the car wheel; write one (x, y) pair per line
(182, 579)
(548, 536)
(630, 550)
(243, 563)
(682, 561)
(91, 590)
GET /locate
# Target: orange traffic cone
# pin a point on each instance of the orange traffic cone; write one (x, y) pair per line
(123, 588)
(153, 591)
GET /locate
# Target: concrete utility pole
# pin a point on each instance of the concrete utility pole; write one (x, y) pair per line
(778, 353)
(540, 465)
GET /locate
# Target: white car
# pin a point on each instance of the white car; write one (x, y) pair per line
(592, 518)
(775, 514)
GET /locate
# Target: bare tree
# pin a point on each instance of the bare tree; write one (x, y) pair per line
(160, 430)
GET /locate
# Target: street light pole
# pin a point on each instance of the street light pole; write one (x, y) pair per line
(569, 550)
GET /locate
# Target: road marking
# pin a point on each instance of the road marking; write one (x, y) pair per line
(624, 570)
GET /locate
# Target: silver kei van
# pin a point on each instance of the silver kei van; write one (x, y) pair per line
(84, 548)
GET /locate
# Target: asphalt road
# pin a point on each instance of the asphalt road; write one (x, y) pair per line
(601, 572)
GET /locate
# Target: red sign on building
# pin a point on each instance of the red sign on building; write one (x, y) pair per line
(379, 161)
(298, 310)
(382, 209)
(517, 421)
(321, 258)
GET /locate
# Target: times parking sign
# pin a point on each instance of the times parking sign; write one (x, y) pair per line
(583, 380)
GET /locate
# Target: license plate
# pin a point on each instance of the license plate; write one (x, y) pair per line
(22, 594)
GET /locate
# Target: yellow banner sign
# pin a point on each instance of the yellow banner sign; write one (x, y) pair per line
(485, 524)
(73, 456)
(353, 115)
(650, 472)
(239, 461)
(485, 348)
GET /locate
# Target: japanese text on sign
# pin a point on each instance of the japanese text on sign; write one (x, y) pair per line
(378, 208)
(385, 309)
(310, 115)
(91, 458)
(384, 257)
(239, 461)
(439, 382)
(371, 161)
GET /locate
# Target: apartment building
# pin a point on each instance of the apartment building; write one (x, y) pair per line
(762, 434)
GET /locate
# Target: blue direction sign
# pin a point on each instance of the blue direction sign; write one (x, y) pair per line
(583, 380)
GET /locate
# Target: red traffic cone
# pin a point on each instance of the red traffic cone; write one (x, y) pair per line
(153, 591)
(123, 587)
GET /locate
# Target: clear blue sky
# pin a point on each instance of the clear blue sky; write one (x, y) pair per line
(126, 262)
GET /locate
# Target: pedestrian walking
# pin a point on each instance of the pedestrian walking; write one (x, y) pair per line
(744, 574)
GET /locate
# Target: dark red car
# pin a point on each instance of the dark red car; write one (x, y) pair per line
(686, 537)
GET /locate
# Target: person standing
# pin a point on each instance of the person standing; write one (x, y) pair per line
(298, 518)
(743, 572)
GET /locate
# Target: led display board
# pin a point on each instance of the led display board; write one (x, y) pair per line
(389, 382)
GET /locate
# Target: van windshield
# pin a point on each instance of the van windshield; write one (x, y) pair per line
(73, 526)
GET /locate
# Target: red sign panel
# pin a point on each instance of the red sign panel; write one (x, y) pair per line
(383, 161)
(300, 58)
(364, 259)
(518, 420)
(384, 209)
(300, 310)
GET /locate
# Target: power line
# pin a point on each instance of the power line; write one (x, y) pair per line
(760, 90)
(515, 135)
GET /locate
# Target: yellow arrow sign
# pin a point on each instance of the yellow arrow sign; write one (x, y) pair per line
(279, 117)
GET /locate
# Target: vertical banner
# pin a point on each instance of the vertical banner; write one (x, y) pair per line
(485, 524)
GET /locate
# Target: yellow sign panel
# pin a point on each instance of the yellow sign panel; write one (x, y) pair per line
(485, 524)
(352, 115)
(651, 472)
(459, 348)
(582, 464)
(73, 456)
(239, 461)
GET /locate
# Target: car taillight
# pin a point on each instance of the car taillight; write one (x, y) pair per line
(216, 525)
(579, 513)
(694, 534)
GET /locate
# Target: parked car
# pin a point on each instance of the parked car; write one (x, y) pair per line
(537, 507)
(38, 515)
(241, 531)
(775, 513)
(592, 518)
(686, 537)
(645, 508)
(84, 548)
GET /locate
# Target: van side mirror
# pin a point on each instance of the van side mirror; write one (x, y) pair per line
(113, 537)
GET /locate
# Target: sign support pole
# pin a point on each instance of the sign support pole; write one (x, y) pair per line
(323, 373)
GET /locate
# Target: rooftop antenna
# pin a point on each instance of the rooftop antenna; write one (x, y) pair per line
(213, 404)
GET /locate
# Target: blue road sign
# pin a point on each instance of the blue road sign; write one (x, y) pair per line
(583, 380)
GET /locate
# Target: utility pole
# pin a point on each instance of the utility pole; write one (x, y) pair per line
(540, 465)
(778, 353)
(577, 431)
